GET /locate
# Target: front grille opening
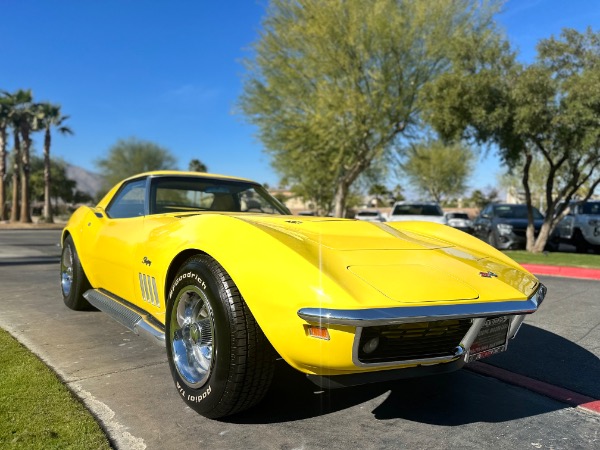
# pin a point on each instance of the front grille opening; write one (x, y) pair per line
(410, 341)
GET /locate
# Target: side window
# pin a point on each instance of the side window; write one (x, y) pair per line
(129, 201)
(251, 201)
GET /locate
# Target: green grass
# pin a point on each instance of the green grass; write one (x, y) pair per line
(36, 410)
(556, 258)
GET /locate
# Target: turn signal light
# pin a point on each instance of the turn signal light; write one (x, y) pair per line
(318, 332)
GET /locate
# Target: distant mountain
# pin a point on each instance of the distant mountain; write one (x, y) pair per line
(88, 182)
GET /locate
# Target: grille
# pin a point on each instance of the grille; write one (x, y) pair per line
(410, 341)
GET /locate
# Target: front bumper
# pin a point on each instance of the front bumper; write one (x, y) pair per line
(475, 313)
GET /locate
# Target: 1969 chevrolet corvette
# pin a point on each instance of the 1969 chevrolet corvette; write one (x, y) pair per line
(218, 271)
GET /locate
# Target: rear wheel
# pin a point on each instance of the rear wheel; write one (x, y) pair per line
(581, 245)
(73, 281)
(220, 360)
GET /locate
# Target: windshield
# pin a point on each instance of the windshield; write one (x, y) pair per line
(185, 194)
(417, 210)
(515, 212)
(367, 214)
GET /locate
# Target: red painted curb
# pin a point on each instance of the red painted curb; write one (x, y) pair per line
(539, 387)
(563, 271)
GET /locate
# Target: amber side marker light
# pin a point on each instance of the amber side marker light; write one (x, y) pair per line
(318, 332)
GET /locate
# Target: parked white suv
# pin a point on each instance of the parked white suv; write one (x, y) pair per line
(581, 227)
(428, 212)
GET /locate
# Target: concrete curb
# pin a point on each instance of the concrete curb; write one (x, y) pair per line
(563, 271)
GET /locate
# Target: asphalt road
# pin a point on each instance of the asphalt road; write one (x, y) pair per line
(126, 381)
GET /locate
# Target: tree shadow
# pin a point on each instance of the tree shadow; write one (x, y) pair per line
(457, 398)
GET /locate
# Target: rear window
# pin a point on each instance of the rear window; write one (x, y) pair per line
(590, 208)
(417, 210)
(457, 216)
(367, 214)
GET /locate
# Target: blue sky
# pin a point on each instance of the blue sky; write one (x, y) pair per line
(170, 72)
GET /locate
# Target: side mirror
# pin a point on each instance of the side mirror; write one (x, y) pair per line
(100, 213)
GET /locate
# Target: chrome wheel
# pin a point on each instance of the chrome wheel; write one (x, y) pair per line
(66, 270)
(192, 332)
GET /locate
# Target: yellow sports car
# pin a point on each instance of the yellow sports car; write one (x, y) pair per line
(219, 272)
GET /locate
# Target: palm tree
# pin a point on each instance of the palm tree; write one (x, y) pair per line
(19, 104)
(49, 116)
(26, 125)
(4, 123)
(197, 166)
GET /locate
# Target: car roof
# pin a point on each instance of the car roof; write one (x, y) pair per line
(180, 173)
(415, 203)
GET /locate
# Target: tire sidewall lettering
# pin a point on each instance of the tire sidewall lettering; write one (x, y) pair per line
(188, 275)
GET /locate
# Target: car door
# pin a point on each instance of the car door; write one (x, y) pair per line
(113, 237)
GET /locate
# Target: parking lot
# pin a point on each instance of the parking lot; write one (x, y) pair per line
(126, 382)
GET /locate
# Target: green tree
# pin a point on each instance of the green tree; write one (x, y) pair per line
(480, 199)
(549, 108)
(334, 84)
(49, 116)
(62, 187)
(132, 156)
(196, 165)
(437, 170)
(379, 191)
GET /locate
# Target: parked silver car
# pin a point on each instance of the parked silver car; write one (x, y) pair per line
(460, 221)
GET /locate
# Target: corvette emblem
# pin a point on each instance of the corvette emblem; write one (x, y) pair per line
(487, 274)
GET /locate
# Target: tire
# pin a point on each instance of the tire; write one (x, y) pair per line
(73, 282)
(581, 245)
(220, 360)
(492, 239)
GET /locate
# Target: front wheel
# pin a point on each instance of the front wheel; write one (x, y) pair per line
(73, 281)
(220, 360)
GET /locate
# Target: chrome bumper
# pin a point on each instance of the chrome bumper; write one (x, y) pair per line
(479, 312)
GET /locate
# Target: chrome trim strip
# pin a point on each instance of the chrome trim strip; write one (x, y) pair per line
(515, 325)
(132, 318)
(155, 292)
(142, 287)
(408, 314)
(148, 290)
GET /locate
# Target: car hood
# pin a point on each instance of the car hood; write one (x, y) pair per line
(344, 234)
(404, 265)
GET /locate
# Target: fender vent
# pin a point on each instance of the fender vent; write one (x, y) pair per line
(148, 288)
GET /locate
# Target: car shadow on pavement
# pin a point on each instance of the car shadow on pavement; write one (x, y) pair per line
(548, 357)
(457, 398)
